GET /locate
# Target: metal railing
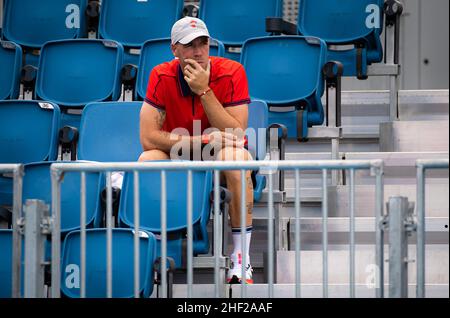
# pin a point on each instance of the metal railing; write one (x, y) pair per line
(58, 169)
(17, 172)
(423, 165)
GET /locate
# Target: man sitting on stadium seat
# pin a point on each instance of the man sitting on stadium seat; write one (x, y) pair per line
(196, 108)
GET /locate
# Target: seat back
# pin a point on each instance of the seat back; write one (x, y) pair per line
(28, 131)
(37, 185)
(234, 21)
(150, 199)
(291, 76)
(109, 132)
(257, 127)
(6, 250)
(158, 51)
(77, 72)
(335, 21)
(10, 66)
(345, 22)
(96, 267)
(131, 23)
(292, 69)
(31, 23)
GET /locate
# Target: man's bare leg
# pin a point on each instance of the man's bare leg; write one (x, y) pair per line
(233, 180)
(153, 155)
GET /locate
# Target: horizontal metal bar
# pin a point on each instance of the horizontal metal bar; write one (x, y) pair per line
(324, 132)
(9, 167)
(432, 163)
(222, 165)
(383, 70)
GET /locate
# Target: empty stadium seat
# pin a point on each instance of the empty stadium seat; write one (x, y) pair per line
(73, 73)
(258, 122)
(114, 126)
(28, 131)
(286, 71)
(234, 21)
(6, 250)
(158, 51)
(37, 185)
(10, 64)
(132, 22)
(150, 204)
(31, 23)
(96, 267)
(344, 22)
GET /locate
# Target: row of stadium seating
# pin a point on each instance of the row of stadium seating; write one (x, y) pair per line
(73, 73)
(31, 24)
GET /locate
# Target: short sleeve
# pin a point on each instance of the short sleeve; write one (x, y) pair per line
(154, 94)
(238, 93)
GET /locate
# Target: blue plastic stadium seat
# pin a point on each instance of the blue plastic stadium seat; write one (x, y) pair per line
(291, 76)
(28, 131)
(131, 23)
(37, 185)
(31, 23)
(158, 51)
(256, 134)
(114, 126)
(150, 204)
(340, 23)
(6, 250)
(96, 267)
(73, 73)
(234, 21)
(10, 65)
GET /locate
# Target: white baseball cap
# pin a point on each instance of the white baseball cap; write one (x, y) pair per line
(187, 29)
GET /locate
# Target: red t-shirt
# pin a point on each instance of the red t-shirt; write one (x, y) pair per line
(168, 90)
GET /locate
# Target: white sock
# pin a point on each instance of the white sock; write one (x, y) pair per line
(236, 234)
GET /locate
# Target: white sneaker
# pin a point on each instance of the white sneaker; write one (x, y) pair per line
(234, 275)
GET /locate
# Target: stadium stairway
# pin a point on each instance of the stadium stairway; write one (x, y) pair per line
(423, 117)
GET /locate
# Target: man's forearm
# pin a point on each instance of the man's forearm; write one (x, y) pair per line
(217, 115)
(164, 141)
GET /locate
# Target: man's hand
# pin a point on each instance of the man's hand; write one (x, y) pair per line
(222, 139)
(197, 77)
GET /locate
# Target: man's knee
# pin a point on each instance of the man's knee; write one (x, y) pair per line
(233, 154)
(153, 155)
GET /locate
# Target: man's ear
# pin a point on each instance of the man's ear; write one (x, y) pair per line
(173, 47)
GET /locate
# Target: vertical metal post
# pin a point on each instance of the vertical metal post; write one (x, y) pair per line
(83, 235)
(379, 240)
(216, 233)
(190, 273)
(35, 211)
(420, 232)
(270, 246)
(335, 156)
(297, 235)
(243, 236)
(398, 248)
(352, 232)
(163, 235)
(390, 60)
(17, 237)
(137, 214)
(325, 233)
(108, 235)
(56, 233)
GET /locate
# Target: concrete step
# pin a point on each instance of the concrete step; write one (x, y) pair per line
(206, 291)
(436, 265)
(436, 200)
(414, 136)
